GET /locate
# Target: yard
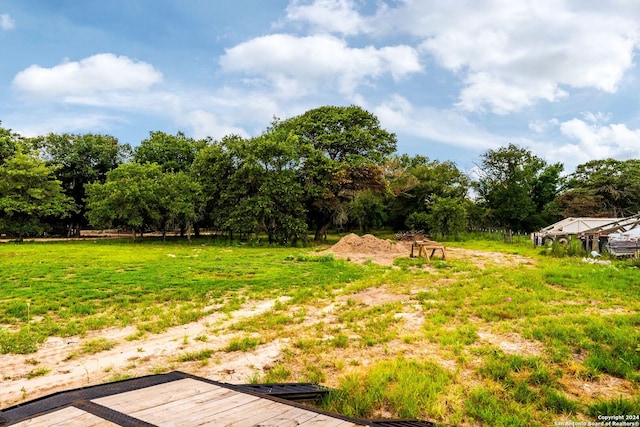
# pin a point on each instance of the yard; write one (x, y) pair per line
(495, 335)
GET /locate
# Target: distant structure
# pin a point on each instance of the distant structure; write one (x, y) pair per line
(561, 231)
(619, 236)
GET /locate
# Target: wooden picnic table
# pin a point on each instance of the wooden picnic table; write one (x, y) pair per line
(426, 246)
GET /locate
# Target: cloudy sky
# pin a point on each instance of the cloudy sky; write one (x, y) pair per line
(451, 78)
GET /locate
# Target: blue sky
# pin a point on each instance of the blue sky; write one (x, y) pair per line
(451, 78)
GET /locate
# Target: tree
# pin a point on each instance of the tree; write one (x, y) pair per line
(517, 188)
(172, 153)
(9, 143)
(341, 149)
(130, 197)
(603, 188)
(416, 185)
(447, 217)
(266, 183)
(213, 168)
(179, 201)
(367, 209)
(29, 196)
(281, 213)
(80, 160)
(252, 185)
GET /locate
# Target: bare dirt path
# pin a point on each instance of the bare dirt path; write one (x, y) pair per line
(128, 358)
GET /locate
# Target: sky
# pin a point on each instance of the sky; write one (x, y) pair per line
(452, 79)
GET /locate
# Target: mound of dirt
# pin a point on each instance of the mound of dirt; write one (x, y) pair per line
(367, 244)
(369, 247)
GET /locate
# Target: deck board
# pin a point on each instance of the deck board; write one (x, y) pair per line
(236, 416)
(321, 420)
(283, 415)
(68, 416)
(189, 402)
(275, 414)
(156, 395)
(177, 399)
(175, 413)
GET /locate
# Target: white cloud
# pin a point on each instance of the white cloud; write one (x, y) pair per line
(334, 16)
(64, 122)
(580, 140)
(97, 74)
(509, 54)
(297, 66)
(596, 118)
(598, 141)
(543, 126)
(124, 88)
(6, 22)
(206, 124)
(593, 139)
(429, 124)
(504, 97)
(513, 54)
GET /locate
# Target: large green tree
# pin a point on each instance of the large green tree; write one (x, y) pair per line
(171, 152)
(30, 196)
(367, 210)
(419, 187)
(281, 213)
(180, 202)
(252, 185)
(603, 188)
(342, 150)
(80, 160)
(213, 168)
(447, 216)
(518, 188)
(9, 143)
(130, 197)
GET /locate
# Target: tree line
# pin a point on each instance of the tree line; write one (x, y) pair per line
(331, 167)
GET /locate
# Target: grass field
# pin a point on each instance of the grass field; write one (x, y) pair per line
(521, 339)
(70, 288)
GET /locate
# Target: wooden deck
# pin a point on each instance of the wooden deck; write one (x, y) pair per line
(189, 402)
(180, 399)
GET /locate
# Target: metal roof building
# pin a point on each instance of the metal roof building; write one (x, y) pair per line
(576, 225)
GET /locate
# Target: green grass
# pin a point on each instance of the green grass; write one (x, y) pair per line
(195, 356)
(492, 409)
(277, 374)
(583, 318)
(408, 388)
(97, 345)
(616, 406)
(70, 288)
(92, 346)
(242, 344)
(38, 372)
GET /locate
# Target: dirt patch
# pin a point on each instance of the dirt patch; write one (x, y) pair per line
(239, 367)
(483, 259)
(375, 296)
(129, 358)
(369, 248)
(367, 244)
(512, 343)
(605, 387)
